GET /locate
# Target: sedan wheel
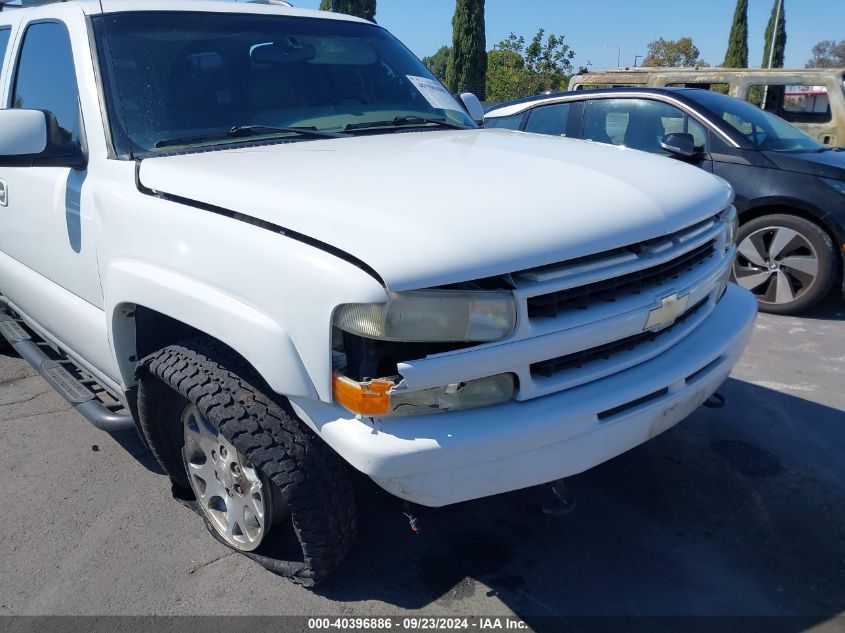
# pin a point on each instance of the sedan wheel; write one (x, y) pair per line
(228, 488)
(777, 264)
(785, 261)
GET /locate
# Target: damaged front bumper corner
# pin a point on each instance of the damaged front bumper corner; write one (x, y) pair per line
(437, 460)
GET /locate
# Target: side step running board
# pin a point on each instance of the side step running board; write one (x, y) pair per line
(88, 404)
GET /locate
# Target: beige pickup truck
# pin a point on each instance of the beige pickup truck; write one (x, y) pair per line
(812, 99)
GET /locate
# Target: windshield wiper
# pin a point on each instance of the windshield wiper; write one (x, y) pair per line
(246, 131)
(402, 121)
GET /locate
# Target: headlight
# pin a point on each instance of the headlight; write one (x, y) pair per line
(432, 315)
(836, 185)
(382, 398)
(731, 219)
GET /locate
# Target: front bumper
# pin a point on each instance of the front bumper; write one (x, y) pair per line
(442, 459)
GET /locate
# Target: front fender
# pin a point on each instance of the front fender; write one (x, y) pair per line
(253, 334)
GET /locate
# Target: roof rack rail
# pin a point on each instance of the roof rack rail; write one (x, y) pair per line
(25, 4)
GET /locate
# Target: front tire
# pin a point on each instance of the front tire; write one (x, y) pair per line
(198, 402)
(789, 263)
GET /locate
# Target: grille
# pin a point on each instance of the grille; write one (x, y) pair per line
(609, 290)
(549, 368)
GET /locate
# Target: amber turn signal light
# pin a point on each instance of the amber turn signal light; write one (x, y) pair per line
(367, 398)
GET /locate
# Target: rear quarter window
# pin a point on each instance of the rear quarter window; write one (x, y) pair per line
(558, 119)
(513, 122)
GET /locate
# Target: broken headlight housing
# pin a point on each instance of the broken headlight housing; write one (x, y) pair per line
(432, 315)
(387, 398)
(372, 339)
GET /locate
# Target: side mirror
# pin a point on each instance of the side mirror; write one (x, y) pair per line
(473, 107)
(679, 143)
(33, 138)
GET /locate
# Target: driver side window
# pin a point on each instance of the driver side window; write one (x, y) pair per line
(45, 78)
(639, 124)
(749, 129)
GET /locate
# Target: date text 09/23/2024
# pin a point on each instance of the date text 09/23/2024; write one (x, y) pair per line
(478, 623)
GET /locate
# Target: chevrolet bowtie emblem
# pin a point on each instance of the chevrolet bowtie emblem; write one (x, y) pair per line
(671, 308)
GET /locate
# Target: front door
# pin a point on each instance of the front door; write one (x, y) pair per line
(640, 124)
(46, 227)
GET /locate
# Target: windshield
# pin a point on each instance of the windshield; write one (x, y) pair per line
(180, 80)
(764, 130)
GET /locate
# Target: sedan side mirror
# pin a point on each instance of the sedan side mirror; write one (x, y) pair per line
(473, 107)
(33, 138)
(679, 143)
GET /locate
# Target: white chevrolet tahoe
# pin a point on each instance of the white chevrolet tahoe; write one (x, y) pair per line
(272, 242)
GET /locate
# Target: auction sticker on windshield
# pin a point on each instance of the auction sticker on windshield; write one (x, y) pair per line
(436, 95)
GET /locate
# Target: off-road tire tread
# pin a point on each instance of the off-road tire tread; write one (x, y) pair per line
(312, 479)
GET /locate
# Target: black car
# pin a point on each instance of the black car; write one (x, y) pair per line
(790, 189)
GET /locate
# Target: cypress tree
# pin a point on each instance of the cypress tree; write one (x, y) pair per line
(361, 8)
(467, 69)
(737, 55)
(778, 35)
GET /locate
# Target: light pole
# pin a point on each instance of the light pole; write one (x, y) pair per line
(775, 34)
(636, 57)
(618, 53)
(772, 53)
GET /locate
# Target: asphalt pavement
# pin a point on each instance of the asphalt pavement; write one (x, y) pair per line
(736, 511)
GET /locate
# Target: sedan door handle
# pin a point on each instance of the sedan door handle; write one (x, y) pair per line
(4, 194)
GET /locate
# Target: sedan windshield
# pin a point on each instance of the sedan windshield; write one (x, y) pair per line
(763, 130)
(178, 81)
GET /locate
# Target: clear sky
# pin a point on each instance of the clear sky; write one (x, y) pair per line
(425, 25)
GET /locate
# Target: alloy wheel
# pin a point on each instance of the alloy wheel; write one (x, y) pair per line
(777, 264)
(228, 488)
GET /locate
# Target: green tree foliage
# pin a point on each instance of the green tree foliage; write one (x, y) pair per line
(467, 67)
(516, 70)
(680, 53)
(737, 55)
(506, 76)
(828, 54)
(362, 8)
(775, 34)
(439, 62)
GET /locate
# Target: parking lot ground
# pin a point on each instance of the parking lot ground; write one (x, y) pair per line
(737, 511)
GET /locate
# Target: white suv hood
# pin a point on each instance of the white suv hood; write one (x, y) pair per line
(436, 207)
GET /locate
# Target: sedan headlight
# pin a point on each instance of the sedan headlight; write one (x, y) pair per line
(432, 315)
(836, 185)
(731, 219)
